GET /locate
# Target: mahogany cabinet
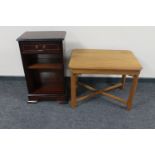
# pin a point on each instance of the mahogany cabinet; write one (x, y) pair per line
(42, 57)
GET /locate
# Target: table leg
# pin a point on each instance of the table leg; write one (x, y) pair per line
(73, 90)
(132, 91)
(123, 81)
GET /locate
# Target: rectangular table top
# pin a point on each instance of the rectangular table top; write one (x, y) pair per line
(104, 60)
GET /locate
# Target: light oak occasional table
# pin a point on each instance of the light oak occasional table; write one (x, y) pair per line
(115, 62)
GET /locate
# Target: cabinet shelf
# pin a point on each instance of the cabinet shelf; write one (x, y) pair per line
(46, 66)
(48, 89)
(42, 56)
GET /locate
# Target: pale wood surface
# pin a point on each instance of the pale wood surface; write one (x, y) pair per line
(91, 61)
(132, 91)
(104, 60)
(123, 81)
(102, 92)
(118, 85)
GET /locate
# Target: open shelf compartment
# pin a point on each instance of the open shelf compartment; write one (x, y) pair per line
(46, 82)
(36, 61)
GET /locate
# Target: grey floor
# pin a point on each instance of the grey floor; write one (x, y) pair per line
(96, 113)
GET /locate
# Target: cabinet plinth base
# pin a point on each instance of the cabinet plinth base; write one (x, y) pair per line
(42, 97)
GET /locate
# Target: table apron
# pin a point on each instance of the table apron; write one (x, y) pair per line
(98, 71)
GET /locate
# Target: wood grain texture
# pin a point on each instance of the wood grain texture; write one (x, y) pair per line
(42, 57)
(91, 61)
(102, 92)
(132, 92)
(123, 81)
(104, 60)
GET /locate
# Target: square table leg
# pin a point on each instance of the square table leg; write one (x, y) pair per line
(123, 81)
(73, 90)
(132, 91)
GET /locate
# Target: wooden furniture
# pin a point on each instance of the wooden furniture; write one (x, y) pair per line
(42, 57)
(89, 61)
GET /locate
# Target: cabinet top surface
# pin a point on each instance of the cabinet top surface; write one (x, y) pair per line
(42, 35)
(104, 59)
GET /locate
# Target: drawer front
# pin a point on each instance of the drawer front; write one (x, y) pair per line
(30, 47)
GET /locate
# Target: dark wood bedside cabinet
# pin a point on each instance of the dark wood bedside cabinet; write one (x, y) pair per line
(42, 57)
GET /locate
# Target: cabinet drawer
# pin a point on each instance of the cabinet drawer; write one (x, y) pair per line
(30, 47)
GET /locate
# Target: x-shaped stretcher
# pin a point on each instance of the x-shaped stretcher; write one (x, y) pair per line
(114, 62)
